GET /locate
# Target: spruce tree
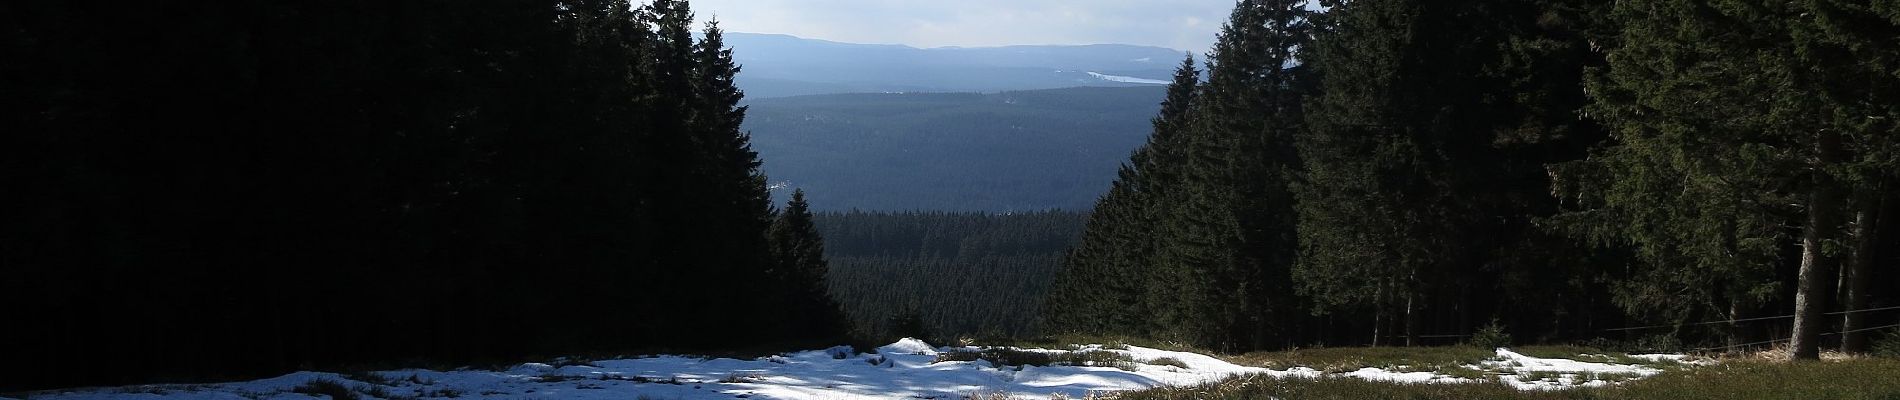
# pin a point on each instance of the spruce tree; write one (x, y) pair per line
(1109, 283)
(799, 275)
(1733, 121)
(1373, 199)
(1850, 42)
(1425, 155)
(1201, 217)
(1242, 162)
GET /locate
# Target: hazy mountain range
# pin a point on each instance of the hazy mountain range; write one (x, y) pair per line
(783, 65)
(1001, 129)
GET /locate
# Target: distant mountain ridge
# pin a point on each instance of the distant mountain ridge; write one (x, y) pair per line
(778, 65)
(996, 152)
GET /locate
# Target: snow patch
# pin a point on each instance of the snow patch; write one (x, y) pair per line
(908, 346)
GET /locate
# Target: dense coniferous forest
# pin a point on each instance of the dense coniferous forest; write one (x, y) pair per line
(945, 275)
(975, 152)
(213, 190)
(196, 192)
(1666, 174)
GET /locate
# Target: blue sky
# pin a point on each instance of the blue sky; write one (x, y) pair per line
(1187, 25)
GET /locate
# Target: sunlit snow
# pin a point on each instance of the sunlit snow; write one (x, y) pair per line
(905, 369)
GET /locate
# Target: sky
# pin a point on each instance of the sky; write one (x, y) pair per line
(1186, 25)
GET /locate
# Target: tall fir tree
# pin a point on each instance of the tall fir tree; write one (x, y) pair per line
(1200, 217)
(1244, 160)
(1424, 161)
(1374, 197)
(1735, 120)
(1110, 282)
(809, 315)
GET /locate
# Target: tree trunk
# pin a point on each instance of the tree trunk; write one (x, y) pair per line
(1810, 299)
(1855, 278)
(1411, 321)
(1734, 328)
(1378, 313)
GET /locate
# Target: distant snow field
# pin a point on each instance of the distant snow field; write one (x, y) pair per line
(1128, 79)
(908, 368)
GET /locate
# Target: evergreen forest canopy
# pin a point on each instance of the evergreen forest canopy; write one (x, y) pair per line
(943, 276)
(996, 152)
(203, 191)
(1405, 172)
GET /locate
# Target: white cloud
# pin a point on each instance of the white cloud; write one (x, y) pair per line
(1188, 25)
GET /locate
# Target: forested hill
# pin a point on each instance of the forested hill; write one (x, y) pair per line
(1011, 151)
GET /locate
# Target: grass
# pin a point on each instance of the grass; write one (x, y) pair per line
(1264, 387)
(1168, 361)
(1591, 354)
(1870, 379)
(1463, 372)
(1534, 376)
(1611, 377)
(1010, 357)
(368, 377)
(325, 387)
(1107, 342)
(1348, 359)
(742, 377)
(1850, 379)
(553, 378)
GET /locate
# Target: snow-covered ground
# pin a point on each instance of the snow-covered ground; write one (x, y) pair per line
(906, 369)
(1531, 373)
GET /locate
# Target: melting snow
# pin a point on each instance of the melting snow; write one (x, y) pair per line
(904, 369)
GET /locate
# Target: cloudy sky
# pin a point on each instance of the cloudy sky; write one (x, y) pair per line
(1187, 25)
